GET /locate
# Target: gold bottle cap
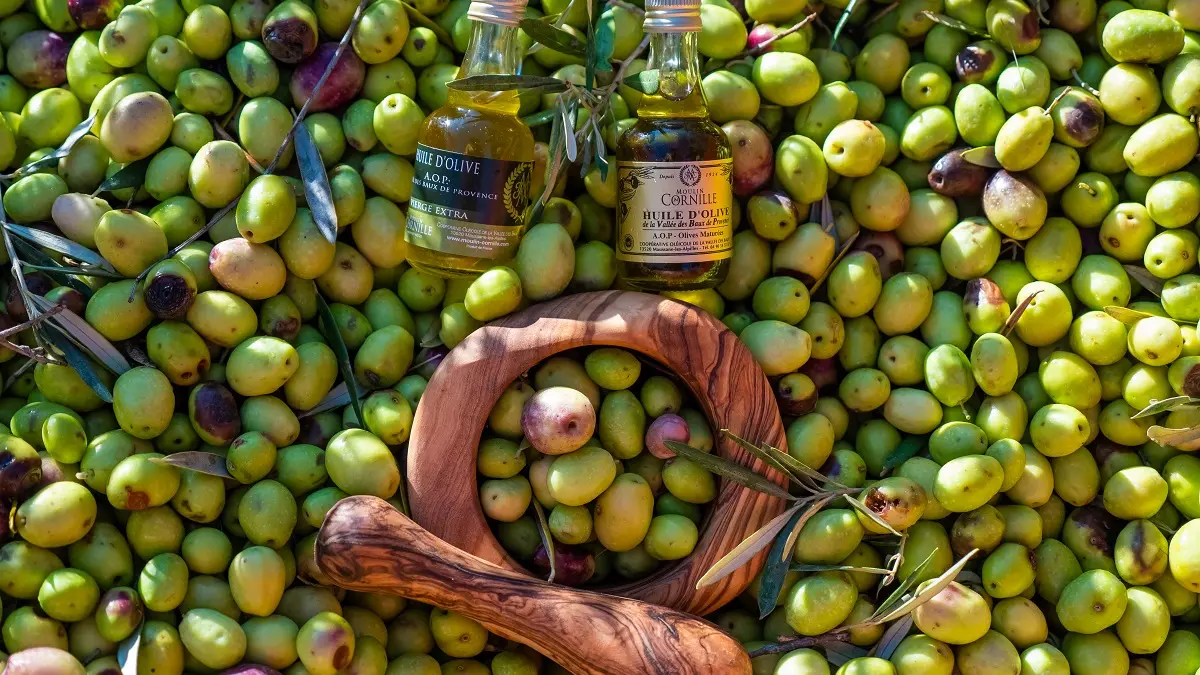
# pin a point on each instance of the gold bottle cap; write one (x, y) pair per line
(503, 12)
(672, 16)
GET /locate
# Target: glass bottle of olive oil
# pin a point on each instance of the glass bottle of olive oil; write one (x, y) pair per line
(674, 168)
(474, 160)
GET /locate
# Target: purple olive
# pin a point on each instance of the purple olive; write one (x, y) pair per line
(94, 14)
(573, 566)
(38, 59)
(37, 283)
(340, 88)
(954, 176)
(822, 372)
(760, 34)
(250, 669)
(428, 359)
(214, 413)
(668, 427)
(20, 467)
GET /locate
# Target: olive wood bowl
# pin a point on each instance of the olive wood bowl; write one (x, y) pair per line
(722, 375)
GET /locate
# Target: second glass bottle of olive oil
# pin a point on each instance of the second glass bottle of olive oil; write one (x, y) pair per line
(674, 168)
(474, 160)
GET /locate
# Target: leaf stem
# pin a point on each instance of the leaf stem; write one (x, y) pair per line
(249, 158)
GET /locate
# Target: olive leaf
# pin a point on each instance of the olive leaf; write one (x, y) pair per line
(897, 596)
(1173, 437)
(840, 568)
(928, 591)
(730, 469)
(838, 653)
(782, 462)
(950, 22)
(63, 150)
(416, 16)
(61, 245)
(525, 83)
(79, 363)
(201, 462)
(602, 45)
(776, 568)
(767, 457)
(745, 551)
(1167, 405)
(336, 398)
(892, 638)
(555, 38)
(432, 336)
(130, 175)
(645, 81)
(330, 329)
(129, 650)
(567, 107)
(908, 448)
(58, 271)
(316, 184)
(547, 539)
(82, 332)
(845, 16)
(982, 156)
(67, 276)
(1131, 316)
(1146, 279)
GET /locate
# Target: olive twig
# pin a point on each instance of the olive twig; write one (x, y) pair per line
(1080, 81)
(233, 110)
(32, 322)
(789, 644)
(880, 14)
(220, 129)
(763, 47)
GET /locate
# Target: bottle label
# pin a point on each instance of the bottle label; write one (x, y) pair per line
(468, 206)
(675, 212)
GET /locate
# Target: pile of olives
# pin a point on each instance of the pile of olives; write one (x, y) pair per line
(965, 263)
(618, 502)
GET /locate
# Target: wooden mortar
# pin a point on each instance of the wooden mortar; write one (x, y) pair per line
(722, 375)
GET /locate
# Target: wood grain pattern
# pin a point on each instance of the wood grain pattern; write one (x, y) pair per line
(710, 360)
(366, 545)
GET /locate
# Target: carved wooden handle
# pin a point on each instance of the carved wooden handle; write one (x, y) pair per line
(367, 545)
(710, 361)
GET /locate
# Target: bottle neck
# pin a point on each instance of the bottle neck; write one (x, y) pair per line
(677, 58)
(493, 50)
